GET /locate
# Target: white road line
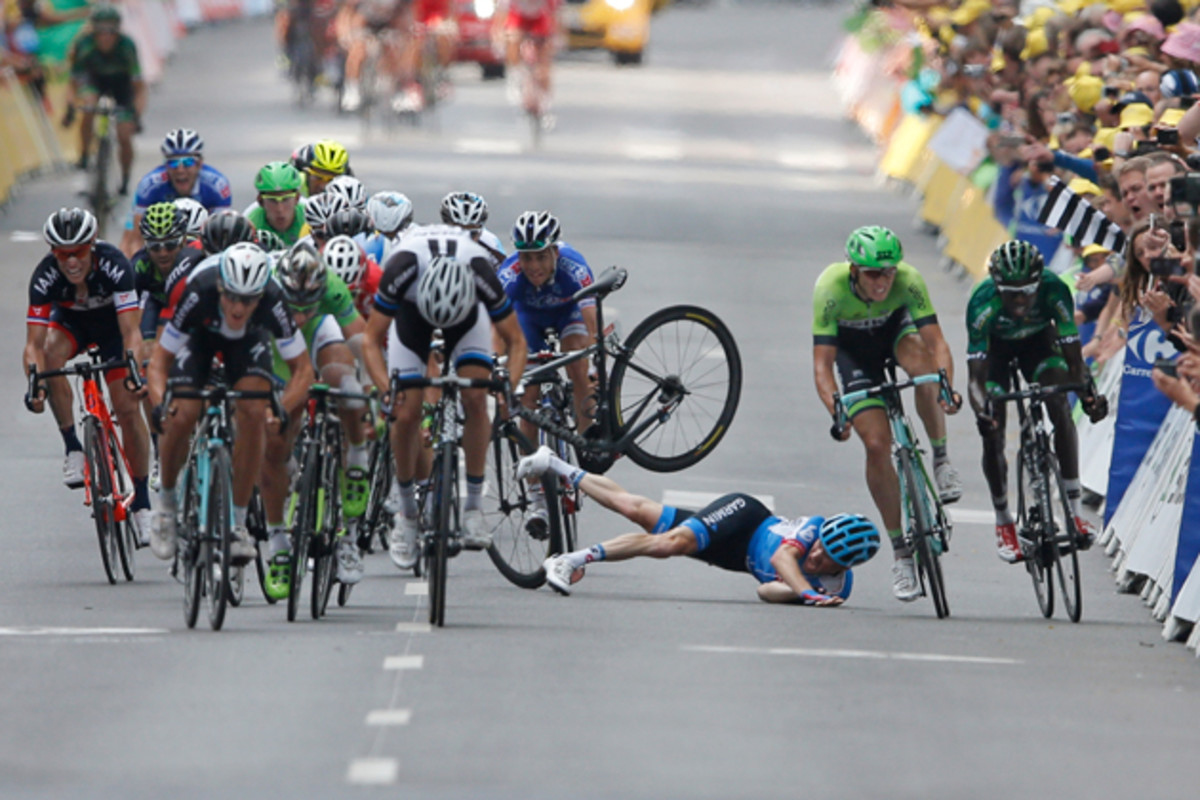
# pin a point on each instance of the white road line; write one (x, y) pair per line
(373, 771)
(859, 654)
(971, 516)
(83, 631)
(413, 627)
(695, 500)
(389, 716)
(504, 147)
(419, 588)
(25, 236)
(404, 662)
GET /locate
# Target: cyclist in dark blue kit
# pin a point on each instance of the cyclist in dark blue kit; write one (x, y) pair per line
(805, 561)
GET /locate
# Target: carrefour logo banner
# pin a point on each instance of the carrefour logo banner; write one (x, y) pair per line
(1189, 527)
(1141, 407)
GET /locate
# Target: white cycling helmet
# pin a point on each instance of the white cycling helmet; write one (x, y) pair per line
(69, 227)
(194, 215)
(344, 258)
(350, 188)
(446, 292)
(244, 270)
(464, 208)
(320, 207)
(535, 230)
(390, 212)
(182, 142)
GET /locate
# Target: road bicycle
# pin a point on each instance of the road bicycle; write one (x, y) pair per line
(107, 482)
(100, 197)
(535, 102)
(376, 522)
(927, 529)
(440, 511)
(317, 523)
(1045, 523)
(205, 517)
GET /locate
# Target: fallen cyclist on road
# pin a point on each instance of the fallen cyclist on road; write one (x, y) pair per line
(805, 561)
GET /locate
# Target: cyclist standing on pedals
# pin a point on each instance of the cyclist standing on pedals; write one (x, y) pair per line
(322, 308)
(867, 310)
(390, 213)
(182, 174)
(104, 61)
(439, 278)
(805, 561)
(234, 310)
(320, 163)
(470, 211)
(278, 207)
(1022, 311)
(81, 294)
(537, 21)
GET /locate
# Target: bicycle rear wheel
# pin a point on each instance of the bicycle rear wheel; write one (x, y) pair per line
(100, 485)
(324, 545)
(683, 362)
(517, 550)
(1063, 543)
(220, 511)
(445, 491)
(376, 521)
(923, 520)
(256, 523)
(101, 199)
(569, 497)
(127, 536)
(1039, 560)
(303, 527)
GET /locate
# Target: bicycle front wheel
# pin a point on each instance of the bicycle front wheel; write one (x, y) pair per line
(445, 492)
(676, 384)
(518, 546)
(127, 536)
(1031, 510)
(303, 526)
(1066, 553)
(100, 487)
(325, 543)
(922, 517)
(190, 558)
(220, 510)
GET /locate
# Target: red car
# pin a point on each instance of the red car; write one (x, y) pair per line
(475, 20)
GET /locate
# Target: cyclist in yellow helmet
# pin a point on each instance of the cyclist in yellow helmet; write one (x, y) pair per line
(321, 162)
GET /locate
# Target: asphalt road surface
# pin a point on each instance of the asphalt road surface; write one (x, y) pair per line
(720, 174)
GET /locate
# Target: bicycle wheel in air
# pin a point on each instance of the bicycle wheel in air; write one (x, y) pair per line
(304, 524)
(99, 478)
(921, 517)
(1066, 553)
(189, 555)
(127, 535)
(220, 534)
(518, 549)
(681, 362)
(1039, 560)
(569, 497)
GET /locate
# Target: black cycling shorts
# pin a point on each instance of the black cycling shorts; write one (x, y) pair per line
(862, 354)
(724, 528)
(96, 327)
(250, 355)
(1035, 354)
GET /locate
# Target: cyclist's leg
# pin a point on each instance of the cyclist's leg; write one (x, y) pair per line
(915, 358)
(574, 336)
(125, 130)
(87, 98)
(407, 353)
(874, 430)
(60, 347)
(641, 511)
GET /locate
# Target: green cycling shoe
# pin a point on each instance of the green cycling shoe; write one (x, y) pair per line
(277, 581)
(355, 491)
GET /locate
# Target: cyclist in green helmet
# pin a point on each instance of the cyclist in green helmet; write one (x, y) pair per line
(869, 309)
(1024, 312)
(278, 208)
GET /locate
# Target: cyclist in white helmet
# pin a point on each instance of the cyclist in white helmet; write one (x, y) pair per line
(470, 211)
(439, 277)
(391, 213)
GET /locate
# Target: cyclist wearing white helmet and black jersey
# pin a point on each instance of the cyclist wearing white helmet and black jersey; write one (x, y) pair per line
(439, 278)
(469, 210)
(235, 310)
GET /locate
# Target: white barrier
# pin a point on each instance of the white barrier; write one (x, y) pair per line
(1096, 439)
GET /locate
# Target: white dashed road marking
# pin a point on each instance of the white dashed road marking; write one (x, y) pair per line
(852, 654)
(420, 588)
(373, 771)
(83, 631)
(971, 516)
(413, 627)
(389, 716)
(404, 662)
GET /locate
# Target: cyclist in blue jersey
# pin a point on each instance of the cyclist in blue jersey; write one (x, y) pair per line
(541, 279)
(182, 174)
(806, 561)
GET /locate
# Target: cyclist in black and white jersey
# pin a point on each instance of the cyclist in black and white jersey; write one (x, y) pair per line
(82, 293)
(234, 310)
(439, 277)
(470, 211)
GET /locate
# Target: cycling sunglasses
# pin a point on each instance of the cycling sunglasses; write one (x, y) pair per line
(240, 299)
(1027, 289)
(164, 244)
(876, 273)
(322, 174)
(280, 197)
(533, 246)
(182, 161)
(78, 251)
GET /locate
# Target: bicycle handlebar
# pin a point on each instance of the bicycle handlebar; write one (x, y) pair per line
(841, 403)
(220, 393)
(133, 380)
(1037, 391)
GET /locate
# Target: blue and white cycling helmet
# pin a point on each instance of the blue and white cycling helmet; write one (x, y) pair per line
(466, 209)
(182, 142)
(390, 211)
(850, 539)
(535, 230)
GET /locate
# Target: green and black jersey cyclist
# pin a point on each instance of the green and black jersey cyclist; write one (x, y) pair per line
(866, 310)
(279, 208)
(1022, 311)
(324, 311)
(163, 232)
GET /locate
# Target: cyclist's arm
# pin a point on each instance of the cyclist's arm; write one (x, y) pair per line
(295, 392)
(510, 333)
(977, 373)
(130, 323)
(374, 342)
(824, 357)
(158, 369)
(35, 344)
(931, 334)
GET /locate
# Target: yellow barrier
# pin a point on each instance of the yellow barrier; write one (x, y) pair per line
(943, 189)
(906, 154)
(975, 233)
(8, 174)
(26, 142)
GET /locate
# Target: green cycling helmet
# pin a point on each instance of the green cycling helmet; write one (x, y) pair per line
(106, 15)
(162, 221)
(1016, 262)
(874, 247)
(278, 176)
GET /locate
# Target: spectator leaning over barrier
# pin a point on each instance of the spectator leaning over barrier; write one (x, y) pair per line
(1020, 192)
(104, 62)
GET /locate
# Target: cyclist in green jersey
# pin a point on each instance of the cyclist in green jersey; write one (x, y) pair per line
(1021, 311)
(105, 62)
(868, 310)
(323, 309)
(279, 209)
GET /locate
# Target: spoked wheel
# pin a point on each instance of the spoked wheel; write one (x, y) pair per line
(101, 488)
(682, 365)
(343, 596)
(256, 523)
(1064, 547)
(569, 498)
(127, 535)
(924, 535)
(324, 546)
(217, 544)
(445, 493)
(1031, 510)
(190, 558)
(101, 199)
(303, 526)
(518, 548)
(374, 521)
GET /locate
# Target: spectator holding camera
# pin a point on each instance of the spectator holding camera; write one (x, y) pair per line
(1151, 260)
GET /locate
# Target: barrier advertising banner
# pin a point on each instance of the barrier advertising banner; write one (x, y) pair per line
(1189, 527)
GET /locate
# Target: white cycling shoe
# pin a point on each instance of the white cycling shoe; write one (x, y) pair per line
(402, 542)
(534, 466)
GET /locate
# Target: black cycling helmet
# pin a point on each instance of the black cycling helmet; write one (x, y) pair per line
(226, 228)
(348, 222)
(1016, 262)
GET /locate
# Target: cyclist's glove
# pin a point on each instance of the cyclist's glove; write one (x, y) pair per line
(29, 401)
(986, 424)
(156, 419)
(811, 597)
(1096, 408)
